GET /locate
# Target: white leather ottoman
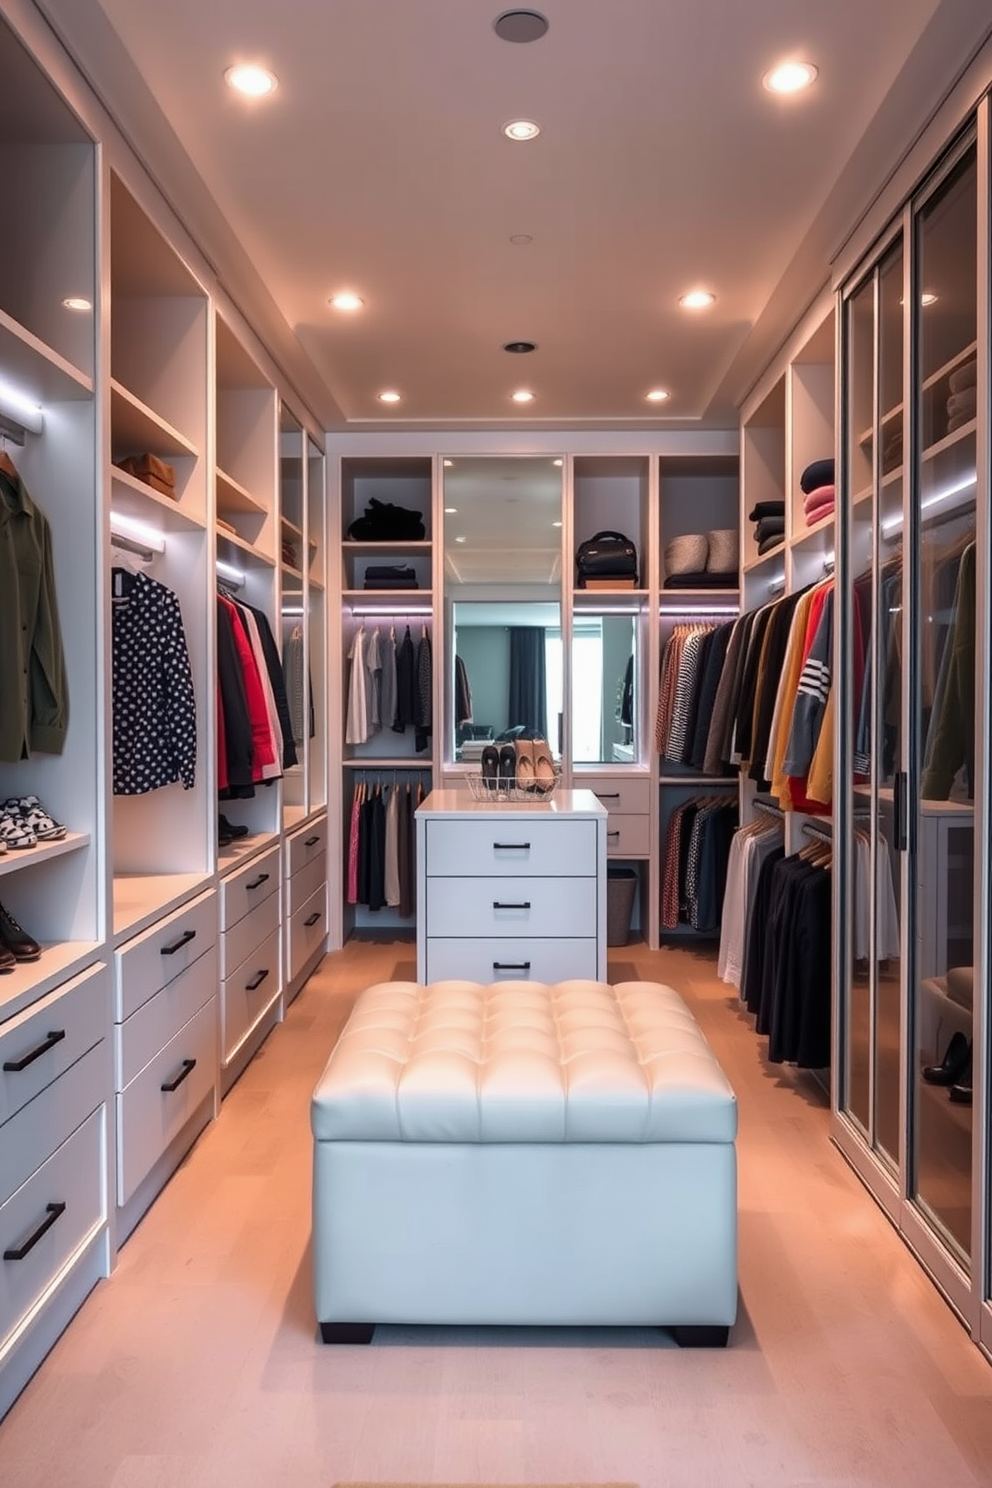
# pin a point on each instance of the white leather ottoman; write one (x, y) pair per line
(524, 1153)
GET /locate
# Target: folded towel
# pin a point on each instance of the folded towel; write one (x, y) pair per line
(964, 402)
(819, 514)
(768, 543)
(822, 496)
(820, 473)
(963, 377)
(767, 509)
(958, 421)
(769, 527)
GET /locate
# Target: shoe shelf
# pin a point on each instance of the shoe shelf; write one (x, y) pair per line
(142, 898)
(243, 848)
(31, 980)
(42, 852)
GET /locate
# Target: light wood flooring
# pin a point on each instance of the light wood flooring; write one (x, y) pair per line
(197, 1366)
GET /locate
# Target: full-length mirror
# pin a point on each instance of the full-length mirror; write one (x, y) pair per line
(604, 689)
(502, 584)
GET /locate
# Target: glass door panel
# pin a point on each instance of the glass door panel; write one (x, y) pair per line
(942, 639)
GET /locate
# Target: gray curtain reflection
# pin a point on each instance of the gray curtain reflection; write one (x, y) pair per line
(528, 679)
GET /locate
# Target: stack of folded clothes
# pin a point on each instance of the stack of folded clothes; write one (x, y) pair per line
(769, 525)
(390, 576)
(152, 471)
(962, 404)
(385, 522)
(817, 485)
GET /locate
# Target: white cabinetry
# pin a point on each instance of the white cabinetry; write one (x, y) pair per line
(511, 891)
(306, 901)
(251, 989)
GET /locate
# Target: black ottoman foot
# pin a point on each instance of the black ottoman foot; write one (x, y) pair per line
(347, 1332)
(705, 1336)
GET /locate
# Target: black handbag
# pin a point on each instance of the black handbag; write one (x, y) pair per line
(607, 555)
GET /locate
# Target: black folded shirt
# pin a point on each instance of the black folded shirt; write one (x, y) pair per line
(701, 580)
(767, 509)
(820, 473)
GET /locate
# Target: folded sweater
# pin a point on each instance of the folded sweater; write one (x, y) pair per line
(963, 377)
(819, 473)
(767, 509)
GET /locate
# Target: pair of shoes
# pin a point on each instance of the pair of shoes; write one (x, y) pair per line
(489, 761)
(15, 940)
(960, 1093)
(24, 822)
(954, 1065)
(507, 767)
(15, 833)
(228, 832)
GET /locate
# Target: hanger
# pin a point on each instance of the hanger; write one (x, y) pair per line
(6, 463)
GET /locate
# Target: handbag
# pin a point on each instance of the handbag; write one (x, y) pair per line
(607, 555)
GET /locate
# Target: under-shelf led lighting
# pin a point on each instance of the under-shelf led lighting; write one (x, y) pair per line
(20, 409)
(361, 611)
(122, 526)
(229, 572)
(938, 498)
(776, 584)
(293, 612)
(699, 609)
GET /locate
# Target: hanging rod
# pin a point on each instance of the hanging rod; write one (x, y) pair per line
(769, 808)
(818, 832)
(134, 545)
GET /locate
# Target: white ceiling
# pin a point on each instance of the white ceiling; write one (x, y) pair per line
(378, 165)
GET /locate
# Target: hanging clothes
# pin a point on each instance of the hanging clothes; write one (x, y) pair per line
(357, 716)
(154, 706)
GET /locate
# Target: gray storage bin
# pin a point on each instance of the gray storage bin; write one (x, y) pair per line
(621, 886)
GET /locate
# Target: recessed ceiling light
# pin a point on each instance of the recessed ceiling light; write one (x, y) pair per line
(450, 510)
(346, 300)
(657, 395)
(77, 302)
(928, 298)
(697, 299)
(522, 395)
(388, 397)
(459, 539)
(251, 80)
(521, 129)
(448, 464)
(556, 524)
(520, 240)
(559, 463)
(520, 25)
(789, 77)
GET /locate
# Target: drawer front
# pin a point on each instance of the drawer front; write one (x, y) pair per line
(242, 938)
(627, 795)
(247, 992)
(150, 960)
(155, 1024)
(510, 960)
(628, 836)
(307, 930)
(303, 885)
(148, 1117)
(45, 1039)
(61, 1205)
(535, 847)
(245, 889)
(305, 845)
(511, 907)
(28, 1139)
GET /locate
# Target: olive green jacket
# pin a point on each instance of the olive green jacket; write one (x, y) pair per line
(34, 692)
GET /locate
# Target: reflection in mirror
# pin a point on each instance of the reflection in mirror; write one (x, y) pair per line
(507, 675)
(502, 521)
(604, 689)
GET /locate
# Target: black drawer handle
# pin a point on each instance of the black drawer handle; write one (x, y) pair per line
(498, 905)
(189, 1065)
(258, 882)
(511, 966)
(511, 846)
(312, 841)
(14, 1066)
(256, 980)
(177, 945)
(312, 919)
(18, 1252)
(607, 795)
(614, 834)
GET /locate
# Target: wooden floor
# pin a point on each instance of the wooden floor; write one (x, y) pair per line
(196, 1365)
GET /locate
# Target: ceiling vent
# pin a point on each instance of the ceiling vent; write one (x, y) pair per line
(520, 25)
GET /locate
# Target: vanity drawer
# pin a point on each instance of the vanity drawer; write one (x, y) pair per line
(162, 1016)
(247, 992)
(532, 846)
(45, 1039)
(628, 836)
(307, 930)
(147, 962)
(461, 907)
(42, 1225)
(148, 1117)
(529, 960)
(246, 888)
(308, 843)
(28, 1139)
(304, 884)
(629, 795)
(242, 938)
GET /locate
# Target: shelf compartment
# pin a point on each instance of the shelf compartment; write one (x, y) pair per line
(142, 898)
(143, 430)
(43, 852)
(60, 961)
(37, 370)
(243, 849)
(233, 497)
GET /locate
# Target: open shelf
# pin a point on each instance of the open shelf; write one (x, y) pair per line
(142, 898)
(232, 496)
(370, 549)
(42, 852)
(36, 368)
(244, 848)
(31, 980)
(133, 423)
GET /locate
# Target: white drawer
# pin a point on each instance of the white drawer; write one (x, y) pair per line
(147, 962)
(28, 1139)
(245, 889)
(148, 1030)
(148, 1117)
(246, 994)
(304, 884)
(41, 1225)
(536, 847)
(242, 938)
(307, 930)
(628, 836)
(46, 1038)
(626, 794)
(308, 843)
(510, 907)
(533, 960)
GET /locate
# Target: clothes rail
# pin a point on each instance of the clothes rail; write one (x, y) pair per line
(134, 545)
(768, 808)
(818, 832)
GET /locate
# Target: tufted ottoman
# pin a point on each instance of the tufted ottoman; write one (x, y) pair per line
(524, 1154)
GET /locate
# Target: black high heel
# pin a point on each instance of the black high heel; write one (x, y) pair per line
(957, 1058)
(490, 766)
(507, 766)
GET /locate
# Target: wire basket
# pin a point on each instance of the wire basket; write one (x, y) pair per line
(508, 791)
